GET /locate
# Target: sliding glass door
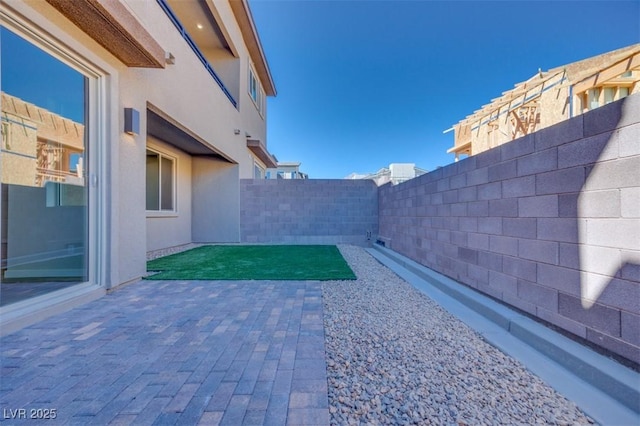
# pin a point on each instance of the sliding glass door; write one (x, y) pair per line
(43, 168)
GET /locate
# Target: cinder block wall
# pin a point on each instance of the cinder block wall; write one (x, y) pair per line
(308, 211)
(549, 223)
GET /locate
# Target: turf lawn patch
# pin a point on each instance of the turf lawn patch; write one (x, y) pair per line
(253, 262)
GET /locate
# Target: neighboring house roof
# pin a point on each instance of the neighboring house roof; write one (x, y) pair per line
(397, 172)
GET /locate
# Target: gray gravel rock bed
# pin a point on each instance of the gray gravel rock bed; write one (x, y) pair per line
(396, 357)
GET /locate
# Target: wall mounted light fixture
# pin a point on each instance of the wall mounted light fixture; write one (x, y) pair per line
(236, 131)
(131, 121)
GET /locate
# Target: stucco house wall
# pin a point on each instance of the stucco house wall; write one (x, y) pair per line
(188, 96)
(216, 201)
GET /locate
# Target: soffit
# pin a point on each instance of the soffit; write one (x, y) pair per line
(172, 133)
(116, 29)
(260, 151)
(200, 24)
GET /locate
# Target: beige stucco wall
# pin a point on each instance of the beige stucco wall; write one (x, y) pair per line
(216, 201)
(187, 93)
(183, 91)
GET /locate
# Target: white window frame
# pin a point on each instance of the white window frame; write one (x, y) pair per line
(174, 183)
(257, 166)
(259, 98)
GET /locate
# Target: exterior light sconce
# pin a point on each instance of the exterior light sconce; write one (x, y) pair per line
(236, 131)
(131, 121)
(169, 59)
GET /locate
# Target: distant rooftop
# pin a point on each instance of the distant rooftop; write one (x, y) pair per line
(395, 173)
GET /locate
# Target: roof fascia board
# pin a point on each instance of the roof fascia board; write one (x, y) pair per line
(260, 150)
(249, 32)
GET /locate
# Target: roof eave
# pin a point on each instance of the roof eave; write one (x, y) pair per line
(249, 32)
(116, 29)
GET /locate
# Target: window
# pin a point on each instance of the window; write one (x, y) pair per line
(615, 93)
(598, 96)
(258, 172)
(623, 92)
(253, 86)
(594, 98)
(256, 93)
(160, 182)
(609, 94)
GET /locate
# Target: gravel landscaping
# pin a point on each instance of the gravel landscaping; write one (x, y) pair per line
(396, 357)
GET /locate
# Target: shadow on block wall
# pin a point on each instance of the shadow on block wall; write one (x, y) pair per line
(548, 223)
(608, 216)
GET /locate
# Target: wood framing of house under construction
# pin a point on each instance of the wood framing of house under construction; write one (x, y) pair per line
(548, 98)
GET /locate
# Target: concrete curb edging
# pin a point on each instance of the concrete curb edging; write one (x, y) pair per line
(614, 380)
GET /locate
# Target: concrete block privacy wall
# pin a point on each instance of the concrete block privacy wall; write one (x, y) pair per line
(308, 211)
(548, 223)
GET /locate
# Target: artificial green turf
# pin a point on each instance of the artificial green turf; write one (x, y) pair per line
(254, 262)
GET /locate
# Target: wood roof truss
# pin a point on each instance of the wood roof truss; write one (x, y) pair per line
(486, 114)
(527, 93)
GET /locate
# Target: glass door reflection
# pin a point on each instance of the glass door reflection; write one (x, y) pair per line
(43, 172)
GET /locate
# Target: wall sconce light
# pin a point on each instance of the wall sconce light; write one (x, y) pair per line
(236, 131)
(131, 121)
(169, 59)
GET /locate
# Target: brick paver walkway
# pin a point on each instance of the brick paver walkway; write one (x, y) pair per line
(175, 352)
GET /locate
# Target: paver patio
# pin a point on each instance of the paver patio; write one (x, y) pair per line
(180, 352)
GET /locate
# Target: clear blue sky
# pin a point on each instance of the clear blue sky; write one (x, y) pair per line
(362, 84)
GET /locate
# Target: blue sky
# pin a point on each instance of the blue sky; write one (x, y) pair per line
(362, 84)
